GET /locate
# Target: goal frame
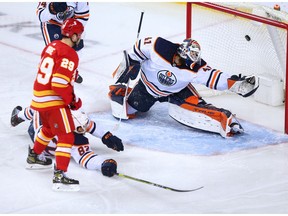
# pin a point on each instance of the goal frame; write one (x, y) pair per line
(249, 16)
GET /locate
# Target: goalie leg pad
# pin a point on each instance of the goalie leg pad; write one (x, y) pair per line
(206, 117)
(118, 95)
(119, 110)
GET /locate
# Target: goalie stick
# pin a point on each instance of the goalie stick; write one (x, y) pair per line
(122, 75)
(156, 185)
(124, 67)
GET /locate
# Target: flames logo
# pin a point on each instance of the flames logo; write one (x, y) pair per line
(166, 77)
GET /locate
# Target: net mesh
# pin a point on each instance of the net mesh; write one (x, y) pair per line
(238, 45)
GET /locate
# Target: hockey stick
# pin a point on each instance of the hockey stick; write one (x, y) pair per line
(154, 184)
(140, 24)
(127, 87)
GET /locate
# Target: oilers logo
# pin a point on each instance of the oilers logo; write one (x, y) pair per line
(56, 36)
(166, 77)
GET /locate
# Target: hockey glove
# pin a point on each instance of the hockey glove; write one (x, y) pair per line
(109, 167)
(112, 142)
(75, 104)
(244, 86)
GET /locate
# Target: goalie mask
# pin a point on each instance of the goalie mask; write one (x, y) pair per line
(81, 121)
(190, 50)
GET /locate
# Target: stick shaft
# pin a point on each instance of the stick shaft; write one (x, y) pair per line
(140, 24)
(154, 184)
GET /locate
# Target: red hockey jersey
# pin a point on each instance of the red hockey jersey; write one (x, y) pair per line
(53, 86)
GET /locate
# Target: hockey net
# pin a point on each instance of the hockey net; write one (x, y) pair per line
(245, 39)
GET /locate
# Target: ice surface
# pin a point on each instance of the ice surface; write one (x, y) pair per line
(248, 174)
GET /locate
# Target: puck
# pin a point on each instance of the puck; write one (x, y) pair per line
(247, 37)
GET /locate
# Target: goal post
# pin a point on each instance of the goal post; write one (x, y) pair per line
(250, 42)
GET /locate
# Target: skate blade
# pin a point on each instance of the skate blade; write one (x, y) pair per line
(38, 167)
(64, 187)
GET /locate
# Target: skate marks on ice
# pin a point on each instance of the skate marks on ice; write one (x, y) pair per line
(156, 130)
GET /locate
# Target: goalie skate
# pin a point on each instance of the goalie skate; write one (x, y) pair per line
(235, 127)
(62, 183)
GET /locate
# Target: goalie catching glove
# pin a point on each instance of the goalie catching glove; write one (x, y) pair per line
(244, 86)
(112, 142)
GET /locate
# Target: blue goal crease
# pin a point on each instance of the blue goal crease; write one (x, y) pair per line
(157, 131)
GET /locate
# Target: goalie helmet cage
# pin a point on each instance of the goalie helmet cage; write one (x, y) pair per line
(217, 12)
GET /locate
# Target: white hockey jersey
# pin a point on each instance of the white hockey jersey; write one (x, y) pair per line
(79, 11)
(162, 77)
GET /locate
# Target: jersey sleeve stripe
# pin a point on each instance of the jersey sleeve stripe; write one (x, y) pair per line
(88, 159)
(85, 158)
(61, 76)
(45, 33)
(138, 52)
(91, 127)
(28, 113)
(214, 77)
(217, 80)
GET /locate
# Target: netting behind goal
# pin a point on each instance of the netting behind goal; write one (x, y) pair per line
(243, 39)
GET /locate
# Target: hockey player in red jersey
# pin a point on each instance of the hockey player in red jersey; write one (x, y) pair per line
(54, 98)
(167, 72)
(81, 151)
(52, 15)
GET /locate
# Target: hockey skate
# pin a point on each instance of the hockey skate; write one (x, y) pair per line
(35, 161)
(15, 120)
(236, 129)
(63, 183)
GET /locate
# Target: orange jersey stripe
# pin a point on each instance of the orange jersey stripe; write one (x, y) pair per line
(214, 78)
(83, 160)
